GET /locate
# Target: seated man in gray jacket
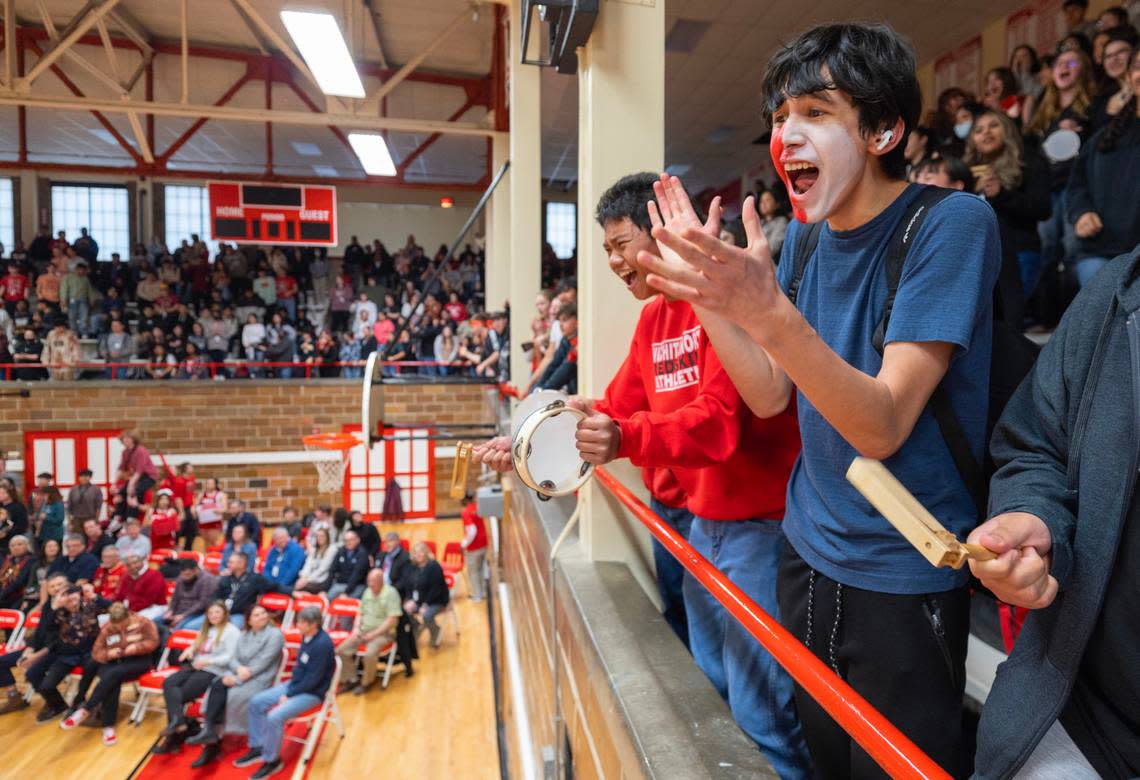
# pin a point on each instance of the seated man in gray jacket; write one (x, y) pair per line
(251, 670)
(192, 594)
(1067, 526)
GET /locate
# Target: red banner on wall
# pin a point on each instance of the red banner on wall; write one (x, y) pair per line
(293, 214)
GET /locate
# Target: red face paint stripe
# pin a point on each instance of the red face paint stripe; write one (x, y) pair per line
(776, 148)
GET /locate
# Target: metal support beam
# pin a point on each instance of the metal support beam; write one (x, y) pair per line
(185, 53)
(93, 69)
(89, 15)
(112, 55)
(258, 39)
(394, 81)
(308, 101)
(431, 139)
(226, 97)
(75, 90)
(132, 29)
(374, 15)
(277, 41)
(308, 119)
(140, 136)
(10, 44)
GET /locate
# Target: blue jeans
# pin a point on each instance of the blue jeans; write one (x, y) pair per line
(758, 691)
(267, 718)
(1087, 268)
(77, 316)
(670, 573)
(1029, 260)
(1056, 232)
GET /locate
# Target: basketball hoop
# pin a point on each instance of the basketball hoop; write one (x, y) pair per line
(330, 470)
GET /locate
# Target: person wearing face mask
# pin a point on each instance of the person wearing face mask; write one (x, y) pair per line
(841, 100)
(1016, 183)
(1065, 105)
(716, 472)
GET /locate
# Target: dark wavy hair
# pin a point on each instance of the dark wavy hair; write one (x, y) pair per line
(871, 63)
(627, 197)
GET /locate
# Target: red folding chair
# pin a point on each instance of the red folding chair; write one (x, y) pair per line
(431, 546)
(31, 623)
(342, 609)
(191, 555)
(452, 561)
(278, 602)
(302, 600)
(213, 562)
(12, 623)
(315, 719)
(157, 557)
(405, 544)
(150, 684)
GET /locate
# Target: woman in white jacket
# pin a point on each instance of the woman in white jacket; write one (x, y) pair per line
(252, 337)
(314, 576)
(202, 663)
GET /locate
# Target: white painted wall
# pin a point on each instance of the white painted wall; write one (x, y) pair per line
(392, 222)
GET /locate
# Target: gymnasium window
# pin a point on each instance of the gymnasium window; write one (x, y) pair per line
(187, 212)
(104, 210)
(562, 228)
(7, 216)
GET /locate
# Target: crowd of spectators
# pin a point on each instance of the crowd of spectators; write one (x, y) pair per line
(193, 314)
(107, 602)
(1048, 144)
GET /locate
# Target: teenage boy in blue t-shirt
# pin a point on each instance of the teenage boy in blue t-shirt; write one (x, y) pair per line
(842, 99)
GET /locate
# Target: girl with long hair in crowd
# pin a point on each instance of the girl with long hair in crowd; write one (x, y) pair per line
(1115, 90)
(1016, 183)
(1104, 214)
(203, 662)
(1064, 105)
(1001, 92)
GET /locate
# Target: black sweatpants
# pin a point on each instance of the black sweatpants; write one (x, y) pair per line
(183, 687)
(112, 675)
(216, 703)
(906, 654)
(46, 675)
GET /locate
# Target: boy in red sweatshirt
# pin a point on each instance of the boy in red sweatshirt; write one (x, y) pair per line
(672, 409)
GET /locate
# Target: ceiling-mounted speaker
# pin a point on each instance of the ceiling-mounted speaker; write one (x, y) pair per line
(552, 30)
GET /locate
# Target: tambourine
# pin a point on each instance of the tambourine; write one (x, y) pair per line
(544, 450)
(1061, 145)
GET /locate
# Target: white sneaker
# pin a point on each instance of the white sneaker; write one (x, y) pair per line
(74, 719)
(109, 736)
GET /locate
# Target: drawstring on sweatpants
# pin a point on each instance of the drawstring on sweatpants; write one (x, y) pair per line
(833, 637)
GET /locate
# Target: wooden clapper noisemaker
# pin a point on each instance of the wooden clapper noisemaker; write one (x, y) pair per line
(913, 521)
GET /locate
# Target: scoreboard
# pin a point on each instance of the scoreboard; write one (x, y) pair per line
(252, 213)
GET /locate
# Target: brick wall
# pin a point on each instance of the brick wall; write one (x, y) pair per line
(235, 416)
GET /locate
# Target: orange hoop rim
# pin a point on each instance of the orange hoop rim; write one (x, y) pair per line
(331, 441)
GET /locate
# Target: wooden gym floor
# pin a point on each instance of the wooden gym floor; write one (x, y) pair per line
(438, 724)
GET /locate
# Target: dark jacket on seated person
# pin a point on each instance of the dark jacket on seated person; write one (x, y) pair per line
(399, 567)
(81, 567)
(349, 568)
(562, 373)
(429, 585)
(316, 661)
(241, 593)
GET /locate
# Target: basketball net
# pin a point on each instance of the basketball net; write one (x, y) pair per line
(330, 470)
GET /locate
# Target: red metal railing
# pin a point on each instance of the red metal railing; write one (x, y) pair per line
(893, 751)
(8, 370)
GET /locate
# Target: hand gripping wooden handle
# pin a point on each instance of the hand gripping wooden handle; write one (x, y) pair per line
(899, 506)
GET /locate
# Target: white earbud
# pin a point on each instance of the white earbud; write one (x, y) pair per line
(886, 139)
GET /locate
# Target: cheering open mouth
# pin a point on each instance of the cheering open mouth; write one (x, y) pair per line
(801, 176)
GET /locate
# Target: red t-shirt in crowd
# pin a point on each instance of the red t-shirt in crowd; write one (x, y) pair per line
(678, 409)
(163, 528)
(456, 311)
(286, 287)
(108, 581)
(146, 591)
(471, 519)
(15, 287)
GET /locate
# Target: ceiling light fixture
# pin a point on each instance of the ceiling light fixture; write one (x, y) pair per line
(322, 46)
(373, 153)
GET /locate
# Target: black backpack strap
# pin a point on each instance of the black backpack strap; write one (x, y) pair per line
(897, 251)
(805, 247)
(968, 466)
